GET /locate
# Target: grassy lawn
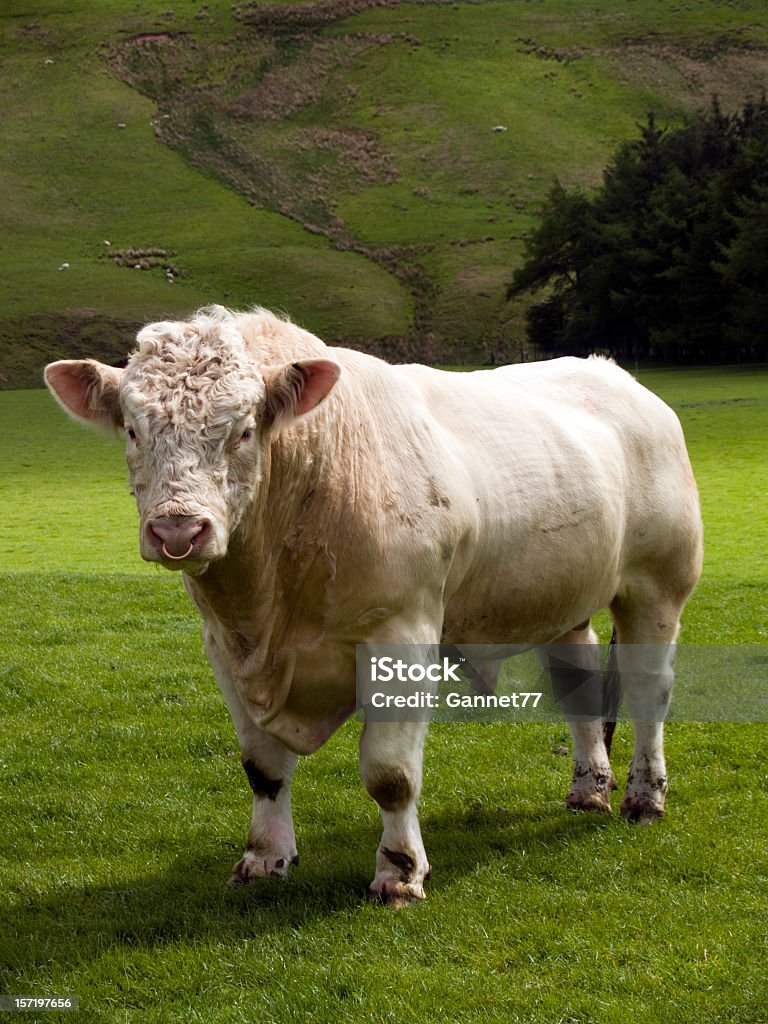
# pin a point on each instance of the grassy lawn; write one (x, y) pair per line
(125, 805)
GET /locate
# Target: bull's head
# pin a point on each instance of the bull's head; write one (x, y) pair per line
(198, 414)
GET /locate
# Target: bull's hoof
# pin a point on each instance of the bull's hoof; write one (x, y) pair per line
(641, 810)
(579, 800)
(591, 791)
(258, 865)
(394, 893)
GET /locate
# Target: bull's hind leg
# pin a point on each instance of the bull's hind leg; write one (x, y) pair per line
(391, 756)
(573, 664)
(647, 624)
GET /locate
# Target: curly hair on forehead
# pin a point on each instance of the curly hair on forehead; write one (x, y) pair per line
(200, 369)
(210, 337)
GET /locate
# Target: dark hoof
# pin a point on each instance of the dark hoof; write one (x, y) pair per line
(241, 875)
(394, 894)
(595, 802)
(252, 866)
(394, 902)
(641, 810)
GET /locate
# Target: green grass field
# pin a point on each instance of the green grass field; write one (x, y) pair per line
(124, 804)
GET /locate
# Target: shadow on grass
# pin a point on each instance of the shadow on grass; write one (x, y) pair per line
(189, 900)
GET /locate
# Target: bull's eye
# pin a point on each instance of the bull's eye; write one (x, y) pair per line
(131, 433)
(246, 436)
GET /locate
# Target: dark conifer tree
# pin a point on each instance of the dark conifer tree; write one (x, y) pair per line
(668, 258)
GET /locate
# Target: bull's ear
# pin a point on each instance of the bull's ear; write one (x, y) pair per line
(295, 388)
(88, 391)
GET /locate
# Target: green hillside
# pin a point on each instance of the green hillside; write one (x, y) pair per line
(368, 166)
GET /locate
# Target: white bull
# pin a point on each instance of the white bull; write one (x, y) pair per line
(317, 498)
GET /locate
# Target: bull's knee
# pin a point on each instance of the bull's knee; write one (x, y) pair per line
(261, 784)
(392, 787)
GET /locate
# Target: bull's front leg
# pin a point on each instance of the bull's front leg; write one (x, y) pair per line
(391, 755)
(271, 848)
(269, 767)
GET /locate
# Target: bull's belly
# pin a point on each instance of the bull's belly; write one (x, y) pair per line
(502, 608)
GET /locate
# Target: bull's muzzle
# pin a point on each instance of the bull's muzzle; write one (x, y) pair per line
(176, 538)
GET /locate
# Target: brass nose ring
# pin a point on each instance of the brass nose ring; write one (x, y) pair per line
(177, 558)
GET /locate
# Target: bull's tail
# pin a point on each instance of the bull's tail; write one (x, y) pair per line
(611, 694)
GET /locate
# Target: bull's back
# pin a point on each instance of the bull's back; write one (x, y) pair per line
(566, 465)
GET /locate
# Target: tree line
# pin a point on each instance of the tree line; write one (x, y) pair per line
(668, 259)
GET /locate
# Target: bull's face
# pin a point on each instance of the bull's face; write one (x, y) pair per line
(198, 415)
